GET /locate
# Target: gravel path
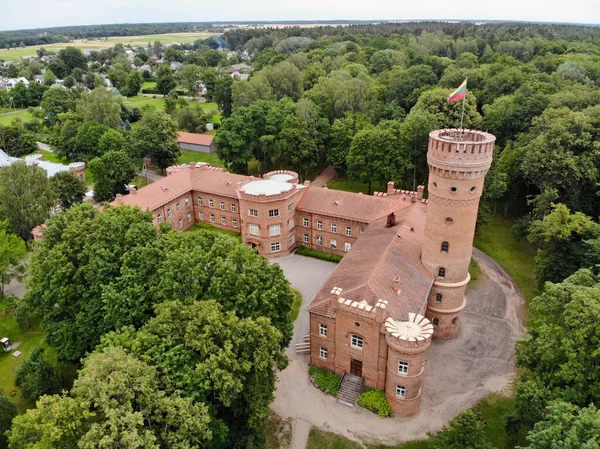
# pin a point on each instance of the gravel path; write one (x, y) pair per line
(324, 177)
(458, 373)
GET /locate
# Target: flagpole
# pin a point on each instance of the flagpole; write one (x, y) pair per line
(462, 115)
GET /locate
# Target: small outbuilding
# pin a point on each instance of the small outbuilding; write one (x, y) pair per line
(202, 143)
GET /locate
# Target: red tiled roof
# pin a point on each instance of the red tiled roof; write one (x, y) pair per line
(382, 254)
(195, 138)
(352, 206)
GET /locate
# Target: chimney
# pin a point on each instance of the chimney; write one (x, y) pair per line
(391, 220)
(390, 187)
(420, 191)
(396, 284)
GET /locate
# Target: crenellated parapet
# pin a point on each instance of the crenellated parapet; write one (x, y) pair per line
(282, 175)
(359, 308)
(413, 335)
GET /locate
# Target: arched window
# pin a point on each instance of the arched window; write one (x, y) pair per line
(454, 321)
(445, 247)
(441, 272)
(438, 298)
(436, 322)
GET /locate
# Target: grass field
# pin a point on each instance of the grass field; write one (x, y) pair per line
(516, 257)
(188, 156)
(98, 44)
(211, 228)
(22, 114)
(354, 186)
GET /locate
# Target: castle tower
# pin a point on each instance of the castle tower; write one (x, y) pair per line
(458, 163)
(407, 342)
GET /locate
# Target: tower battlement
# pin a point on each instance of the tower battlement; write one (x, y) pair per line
(460, 154)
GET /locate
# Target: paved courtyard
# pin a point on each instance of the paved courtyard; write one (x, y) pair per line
(459, 372)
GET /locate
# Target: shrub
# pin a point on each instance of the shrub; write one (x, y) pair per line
(375, 401)
(304, 251)
(325, 380)
(37, 376)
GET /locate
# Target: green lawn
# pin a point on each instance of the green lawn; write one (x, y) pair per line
(211, 228)
(354, 186)
(188, 156)
(149, 85)
(296, 305)
(23, 115)
(516, 257)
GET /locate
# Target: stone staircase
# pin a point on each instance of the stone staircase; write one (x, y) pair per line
(350, 389)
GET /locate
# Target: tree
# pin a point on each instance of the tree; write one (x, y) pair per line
(26, 197)
(190, 76)
(343, 131)
(73, 58)
(116, 400)
(88, 138)
(49, 78)
(64, 138)
(118, 78)
(193, 120)
(68, 189)
(12, 252)
(113, 171)
(55, 101)
(99, 106)
(566, 425)
(133, 84)
(165, 81)
(285, 80)
(111, 140)
(156, 137)
(20, 95)
(27, 143)
(222, 94)
(376, 155)
(7, 412)
(37, 377)
(448, 114)
(296, 146)
(467, 431)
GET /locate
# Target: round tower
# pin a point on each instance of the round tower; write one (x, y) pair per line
(458, 162)
(407, 342)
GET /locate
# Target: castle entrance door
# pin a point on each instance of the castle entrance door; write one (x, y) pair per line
(356, 367)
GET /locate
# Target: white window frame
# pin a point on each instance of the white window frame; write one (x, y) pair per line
(178, 207)
(274, 230)
(323, 329)
(305, 222)
(222, 205)
(234, 222)
(291, 224)
(212, 218)
(189, 218)
(187, 202)
(347, 247)
(402, 367)
(169, 213)
(349, 231)
(233, 207)
(211, 203)
(400, 392)
(201, 215)
(180, 222)
(290, 207)
(273, 213)
(275, 247)
(323, 353)
(333, 244)
(334, 227)
(253, 212)
(291, 239)
(319, 224)
(199, 201)
(223, 220)
(319, 240)
(253, 229)
(306, 238)
(357, 342)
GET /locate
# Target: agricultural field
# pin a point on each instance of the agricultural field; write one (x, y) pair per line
(98, 44)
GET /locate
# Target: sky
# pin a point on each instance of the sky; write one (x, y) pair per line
(20, 14)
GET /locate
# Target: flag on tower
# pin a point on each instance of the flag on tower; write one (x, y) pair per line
(459, 93)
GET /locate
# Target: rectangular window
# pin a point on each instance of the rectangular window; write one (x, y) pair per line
(400, 391)
(333, 244)
(201, 215)
(357, 342)
(180, 223)
(254, 229)
(306, 238)
(333, 227)
(223, 220)
(347, 247)
(187, 202)
(178, 206)
(222, 205)
(292, 239)
(233, 208)
(291, 224)
(290, 207)
(273, 213)
(211, 203)
(253, 212)
(319, 240)
(199, 201)
(189, 218)
(275, 246)
(212, 217)
(169, 213)
(319, 224)
(234, 223)
(323, 353)
(348, 231)
(159, 218)
(305, 222)
(274, 230)
(323, 330)
(402, 367)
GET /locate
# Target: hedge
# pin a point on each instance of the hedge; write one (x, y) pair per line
(325, 380)
(304, 251)
(155, 91)
(375, 401)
